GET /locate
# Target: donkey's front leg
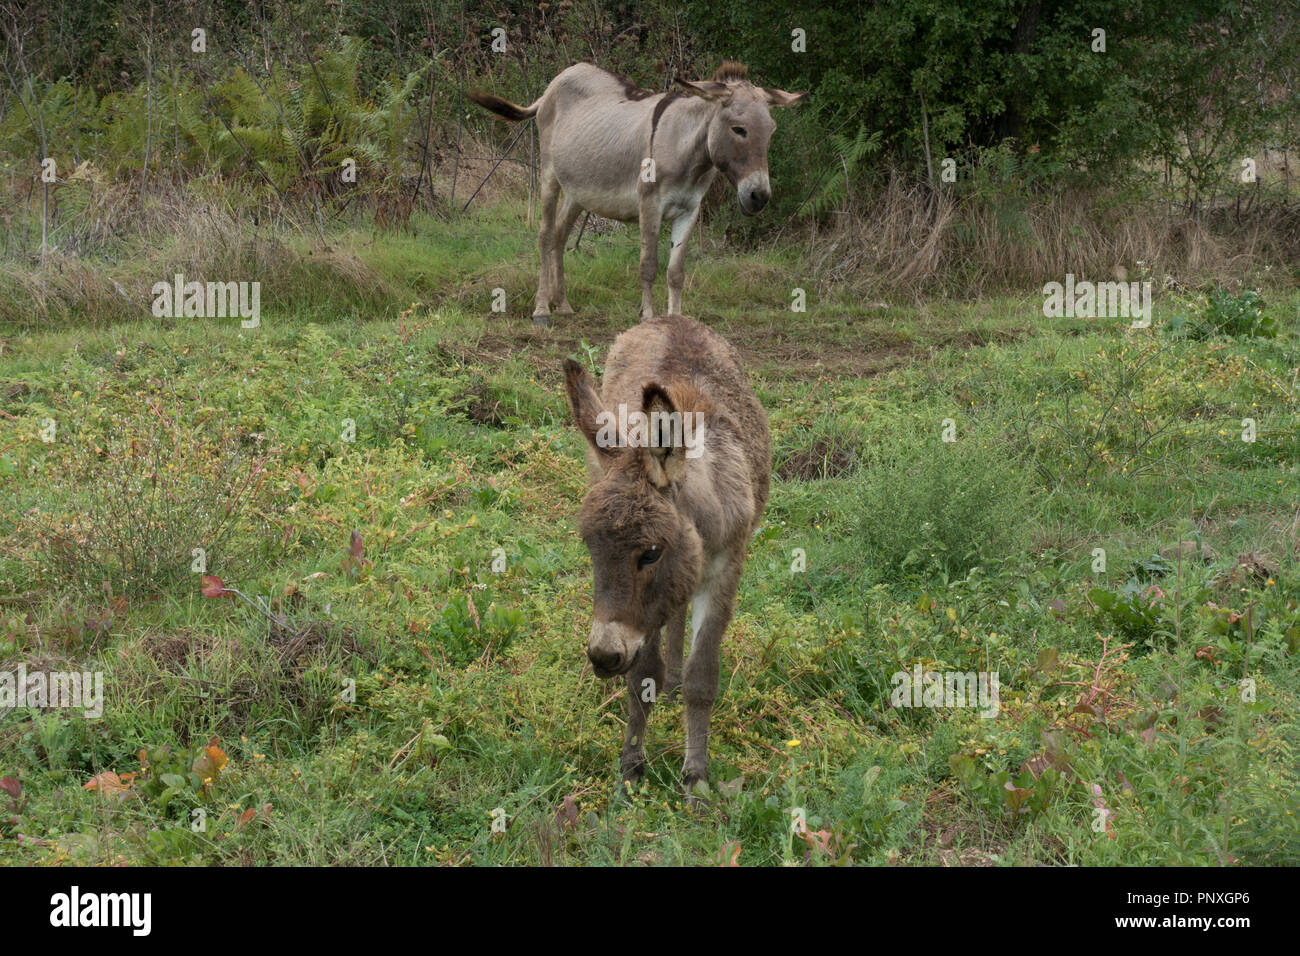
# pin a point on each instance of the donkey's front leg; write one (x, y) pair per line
(711, 611)
(675, 634)
(651, 219)
(645, 682)
(682, 227)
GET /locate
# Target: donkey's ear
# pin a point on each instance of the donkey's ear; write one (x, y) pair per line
(587, 409)
(782, 98)
(708, 89)
(665, 458)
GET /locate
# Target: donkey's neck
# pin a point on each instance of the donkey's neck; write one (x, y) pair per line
(694, 126)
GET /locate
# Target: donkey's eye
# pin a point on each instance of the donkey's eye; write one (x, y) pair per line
(739, 131)
(649, 556)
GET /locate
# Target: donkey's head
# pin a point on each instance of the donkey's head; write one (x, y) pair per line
(645, 555)
(741, 129)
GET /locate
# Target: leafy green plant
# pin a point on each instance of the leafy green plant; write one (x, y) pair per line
(1239, 314)
(1135, 609)
(1003, 792)
(167, 774)
(465, 636)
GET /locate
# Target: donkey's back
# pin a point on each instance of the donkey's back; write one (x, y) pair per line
(597, 89)
(595, 129)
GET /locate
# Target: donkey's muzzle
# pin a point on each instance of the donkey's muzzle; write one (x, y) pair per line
(753, 192)
(612, 647)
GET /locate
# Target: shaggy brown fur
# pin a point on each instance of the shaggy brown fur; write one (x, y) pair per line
(665, 529)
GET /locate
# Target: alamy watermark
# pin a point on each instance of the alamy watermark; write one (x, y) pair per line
(951, 689)
(208, 300)
(1098, 300)
(638, 429)
(130, 910)
(55, 689)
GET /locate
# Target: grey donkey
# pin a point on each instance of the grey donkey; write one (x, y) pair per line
(634, 155)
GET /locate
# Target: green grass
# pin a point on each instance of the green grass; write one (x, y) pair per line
(392, 697)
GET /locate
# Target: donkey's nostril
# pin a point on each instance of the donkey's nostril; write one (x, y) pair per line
(608, 661)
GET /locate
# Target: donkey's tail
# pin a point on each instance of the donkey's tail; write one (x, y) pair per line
(503, 108)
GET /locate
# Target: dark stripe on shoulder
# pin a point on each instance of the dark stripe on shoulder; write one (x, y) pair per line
(630, 89)
(660, 107)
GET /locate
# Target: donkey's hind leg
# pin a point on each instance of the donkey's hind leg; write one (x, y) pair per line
(550, 194)
(569, 212)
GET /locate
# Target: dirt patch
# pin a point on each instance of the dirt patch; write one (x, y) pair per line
(238, 676)
(945, 828)
(169, 650)
(483, 408)
(821, 459)
(15, 396)
(543, 348)
(848, 346)
(1249, 569)
(299, 642)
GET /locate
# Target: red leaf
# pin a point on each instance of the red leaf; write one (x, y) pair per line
(566, 814)
(110, 785)
(11, 786)
(210, 761)
(734, 847)
(214, 587)
(354, 560)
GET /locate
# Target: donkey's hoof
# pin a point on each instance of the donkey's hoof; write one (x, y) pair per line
(541, 319)
(697, 790)
(630, 776)
(563, 309)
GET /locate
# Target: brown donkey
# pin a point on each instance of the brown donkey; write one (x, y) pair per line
(679, 455)
(638, 156)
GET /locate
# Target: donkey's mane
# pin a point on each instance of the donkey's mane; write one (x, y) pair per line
(688, 397)
(730, 71)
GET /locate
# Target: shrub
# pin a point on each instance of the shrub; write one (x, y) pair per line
(134, 510)
(924, 508)
(1241, 314)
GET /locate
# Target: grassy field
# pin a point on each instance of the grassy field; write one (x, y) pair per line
(386, 470)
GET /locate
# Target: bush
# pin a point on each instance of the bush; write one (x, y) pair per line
(1228, 314)
(926, 508)
(137, 508)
